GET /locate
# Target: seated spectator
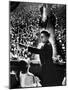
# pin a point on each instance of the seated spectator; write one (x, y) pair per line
(27, 79)
(14, 80)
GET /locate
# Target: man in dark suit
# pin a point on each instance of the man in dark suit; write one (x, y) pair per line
(48, 73)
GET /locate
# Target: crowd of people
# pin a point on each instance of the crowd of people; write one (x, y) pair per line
(25, 29)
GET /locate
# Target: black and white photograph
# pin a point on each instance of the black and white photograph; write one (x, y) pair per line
(37, 44)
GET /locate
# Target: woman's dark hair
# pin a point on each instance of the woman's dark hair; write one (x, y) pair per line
(23, 66)
(47, 34)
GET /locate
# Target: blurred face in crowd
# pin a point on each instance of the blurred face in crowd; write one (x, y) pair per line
(44, 38)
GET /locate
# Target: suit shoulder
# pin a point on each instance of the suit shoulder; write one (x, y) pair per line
(49, 43)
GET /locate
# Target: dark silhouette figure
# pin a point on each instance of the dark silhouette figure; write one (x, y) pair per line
(48, 74)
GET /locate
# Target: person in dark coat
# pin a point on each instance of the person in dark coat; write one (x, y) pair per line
(48, 73)
(48, 20)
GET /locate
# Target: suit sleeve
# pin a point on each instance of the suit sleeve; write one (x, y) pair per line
(34, 50)
(46, 50)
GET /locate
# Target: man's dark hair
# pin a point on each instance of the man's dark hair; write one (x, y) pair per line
(47, 34)
(23, 66)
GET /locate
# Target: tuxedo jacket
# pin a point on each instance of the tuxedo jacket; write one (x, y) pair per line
(45, 52)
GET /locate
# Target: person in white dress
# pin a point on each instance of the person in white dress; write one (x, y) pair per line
(27, 79)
